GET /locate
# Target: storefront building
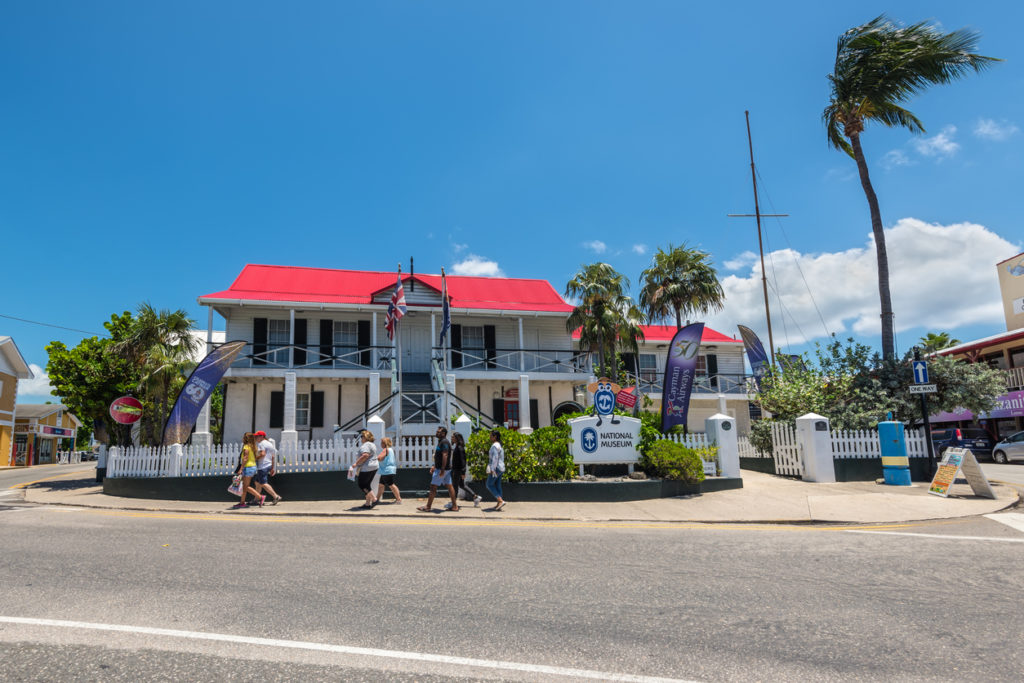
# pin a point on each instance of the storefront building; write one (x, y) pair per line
(40, 431)
(12, 368)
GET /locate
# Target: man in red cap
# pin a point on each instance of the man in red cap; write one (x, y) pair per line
(266, 466)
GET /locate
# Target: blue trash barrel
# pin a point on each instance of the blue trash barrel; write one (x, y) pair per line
(895, 463)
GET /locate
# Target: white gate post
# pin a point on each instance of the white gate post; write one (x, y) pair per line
(375, 425)
(815, 441)
(174, 455)
(289, 437)
(101, 463)
(464, 426)
(721, 430)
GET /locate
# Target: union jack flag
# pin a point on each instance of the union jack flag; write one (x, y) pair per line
(396, 308)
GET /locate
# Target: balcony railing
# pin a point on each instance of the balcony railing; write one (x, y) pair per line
(1014, 379)
(703, 383)
(566, 361)
(340, 357)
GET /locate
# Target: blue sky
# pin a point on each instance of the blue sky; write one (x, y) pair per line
(150, 150)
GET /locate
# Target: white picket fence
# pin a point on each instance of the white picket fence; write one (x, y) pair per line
(215, 460)
(69, 457)
(787, 454)
(853, 444)
(856, 444)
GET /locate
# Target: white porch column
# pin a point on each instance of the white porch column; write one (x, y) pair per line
(202, 436)
(522, 354)
(815, 441)
(291, 338)
(289, 437)
(373, 341)
(374, 388)
(209, 329)
(588, 400)
(721, 429)
(433, 336)
(449, 384)
(524, 405)
(721, 405)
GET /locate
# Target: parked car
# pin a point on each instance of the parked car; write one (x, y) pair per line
(977, 440)
(1009, 449)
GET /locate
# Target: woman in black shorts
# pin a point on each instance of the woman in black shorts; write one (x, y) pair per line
(366, 465)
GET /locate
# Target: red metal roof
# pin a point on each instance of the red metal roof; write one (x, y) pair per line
(657, 333)
(288, 284)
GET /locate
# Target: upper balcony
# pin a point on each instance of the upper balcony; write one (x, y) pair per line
(718, 383)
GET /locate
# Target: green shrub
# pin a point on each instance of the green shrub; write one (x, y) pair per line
(550, 447)
(670, 460)
(761, 436)
(520, 462)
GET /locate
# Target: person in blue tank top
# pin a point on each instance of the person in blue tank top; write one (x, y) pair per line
(388, 470)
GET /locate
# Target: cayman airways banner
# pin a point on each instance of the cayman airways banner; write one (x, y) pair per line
(755, 354)
(680, 369)
(197, 391)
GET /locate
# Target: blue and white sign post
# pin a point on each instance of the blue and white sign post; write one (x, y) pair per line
(920, 371)
(923, 388)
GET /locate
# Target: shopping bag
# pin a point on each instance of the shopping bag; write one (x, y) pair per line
(236, 485)
(352, 473)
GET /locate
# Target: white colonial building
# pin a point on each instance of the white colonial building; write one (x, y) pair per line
(318, 360)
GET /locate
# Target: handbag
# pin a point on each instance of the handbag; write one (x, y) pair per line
(236, 485)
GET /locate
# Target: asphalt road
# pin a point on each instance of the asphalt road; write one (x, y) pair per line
(437, 599)
(1011, 473)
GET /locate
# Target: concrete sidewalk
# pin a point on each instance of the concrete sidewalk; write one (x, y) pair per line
(764, 498)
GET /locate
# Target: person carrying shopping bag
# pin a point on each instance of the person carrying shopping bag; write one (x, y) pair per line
(495, 469)
(366, 466)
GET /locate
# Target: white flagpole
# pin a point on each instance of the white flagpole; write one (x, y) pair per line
(444, 353)
(398, 353)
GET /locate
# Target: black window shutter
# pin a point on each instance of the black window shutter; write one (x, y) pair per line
(316, 409)
(490, 345)
(456, 346)
(300, 342)
(364, 342)
(276, 409)
(259, 341)
(713, 368)
(326, 341)
(534, 414)
(498, 411)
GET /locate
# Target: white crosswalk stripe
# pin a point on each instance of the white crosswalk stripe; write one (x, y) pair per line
(1014, 520)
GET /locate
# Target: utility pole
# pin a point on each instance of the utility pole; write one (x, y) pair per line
(760, 247)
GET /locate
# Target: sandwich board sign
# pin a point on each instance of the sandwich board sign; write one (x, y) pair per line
(955, 461)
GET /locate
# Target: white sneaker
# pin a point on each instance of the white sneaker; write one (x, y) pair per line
(447, 506)
(476, 501)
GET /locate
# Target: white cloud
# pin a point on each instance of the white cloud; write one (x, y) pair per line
(941, 277)
(477, 266)
(597, 246)
(743, 260)
(459, 247)
(640, 249)
(940, 146)
(993, 130)
(894, 158)
(36, 388)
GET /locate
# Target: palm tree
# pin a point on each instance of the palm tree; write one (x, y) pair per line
(605, 316)
(161, 346)
(680, 281)
(936, 341)
(878, 67)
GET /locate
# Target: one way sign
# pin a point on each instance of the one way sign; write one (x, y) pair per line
(920, 371)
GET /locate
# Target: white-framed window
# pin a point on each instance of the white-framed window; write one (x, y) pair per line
(278, 338)
(473, 344)
(301, 411)
(648, 363)
(702, 365)
(346, 341)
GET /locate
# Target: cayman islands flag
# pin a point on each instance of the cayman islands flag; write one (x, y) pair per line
(396, 308)
(446, 311)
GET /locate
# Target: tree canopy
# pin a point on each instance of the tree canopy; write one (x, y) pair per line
(680, 281)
